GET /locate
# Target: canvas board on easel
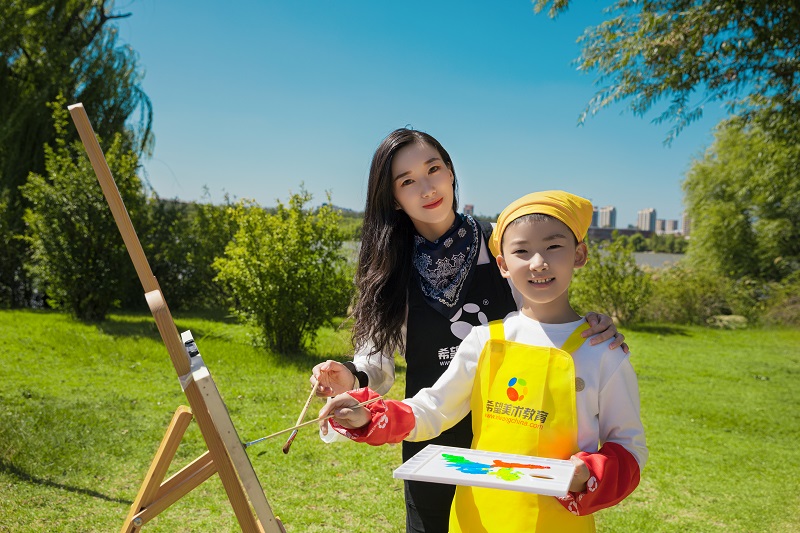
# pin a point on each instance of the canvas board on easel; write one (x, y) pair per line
(494, 470)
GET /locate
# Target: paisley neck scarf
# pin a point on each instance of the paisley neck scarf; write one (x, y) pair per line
(443, 268)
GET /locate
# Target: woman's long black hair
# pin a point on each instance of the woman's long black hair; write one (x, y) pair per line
(385, 268)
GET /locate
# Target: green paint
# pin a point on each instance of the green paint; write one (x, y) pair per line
(455, 458)
(507, 474)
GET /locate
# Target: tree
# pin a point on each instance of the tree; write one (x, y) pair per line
(78, 254)
(212, 227)
(168, 243)
(47, 48)
(182, 241)
(286, 271)
(745, 54)
(743, 196)
(638, 243)
(611, 283)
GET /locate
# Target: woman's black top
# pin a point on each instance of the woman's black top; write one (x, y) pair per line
(430, 346)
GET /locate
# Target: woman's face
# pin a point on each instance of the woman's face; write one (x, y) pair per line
(423, 187)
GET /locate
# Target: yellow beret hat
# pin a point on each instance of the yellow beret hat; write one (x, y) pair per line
(574, 211)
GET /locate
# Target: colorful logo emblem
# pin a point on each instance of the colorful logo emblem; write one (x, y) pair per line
(517, 389)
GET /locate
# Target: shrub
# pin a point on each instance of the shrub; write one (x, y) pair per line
(212, 227)
(611, 283)
(79, 257)
(689, 294)
(783, 305)
(167, 243)
(686, 295)
(182, 241)
(286, 271)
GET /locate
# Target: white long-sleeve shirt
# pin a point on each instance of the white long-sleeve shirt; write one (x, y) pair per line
(607, 407)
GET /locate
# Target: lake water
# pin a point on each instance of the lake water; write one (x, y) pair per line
(649, 259)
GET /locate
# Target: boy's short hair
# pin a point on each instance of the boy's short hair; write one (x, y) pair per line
(572, 210)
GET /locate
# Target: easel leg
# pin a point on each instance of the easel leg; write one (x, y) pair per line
(159, 466)
(227, 473)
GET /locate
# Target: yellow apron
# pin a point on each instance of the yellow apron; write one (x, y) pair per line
(523, 402)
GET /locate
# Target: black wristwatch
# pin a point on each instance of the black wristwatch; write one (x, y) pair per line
(362, 378)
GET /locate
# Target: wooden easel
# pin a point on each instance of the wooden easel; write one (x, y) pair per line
(226, 455)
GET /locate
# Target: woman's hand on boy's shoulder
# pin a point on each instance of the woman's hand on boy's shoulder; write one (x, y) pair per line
(602, 328)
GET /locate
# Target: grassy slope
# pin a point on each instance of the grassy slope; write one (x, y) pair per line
(720, 412)
(83, 408)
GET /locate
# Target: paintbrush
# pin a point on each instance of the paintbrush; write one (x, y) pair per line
(316, 420)
(300, 419)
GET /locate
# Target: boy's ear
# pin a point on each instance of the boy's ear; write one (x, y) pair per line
(581, 255)
(501, 264)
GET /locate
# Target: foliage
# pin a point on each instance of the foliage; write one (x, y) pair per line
(74, 450)
(745, 54)
(212, 227)
(668, 244)
(181, 241)
(744, 200)
(167, 243)
(611, 283)
(78, 254)
(350, 225)
(286, 271)
(48, 48)
(8, 241)
(783, 305)
(687, 294)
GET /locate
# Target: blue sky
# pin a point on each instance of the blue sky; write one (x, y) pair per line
(254, 98)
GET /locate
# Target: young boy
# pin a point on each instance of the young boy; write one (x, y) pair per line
(532, 384)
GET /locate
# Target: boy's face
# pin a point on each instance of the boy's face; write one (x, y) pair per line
(539, 258)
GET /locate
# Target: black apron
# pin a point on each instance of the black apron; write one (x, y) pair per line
(430, 346)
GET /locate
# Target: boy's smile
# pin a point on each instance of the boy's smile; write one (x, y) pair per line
(539, 257)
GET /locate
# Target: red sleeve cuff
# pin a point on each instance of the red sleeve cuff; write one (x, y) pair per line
(613, 475)
(391, 422)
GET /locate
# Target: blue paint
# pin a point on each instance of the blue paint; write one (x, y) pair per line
(465, 465)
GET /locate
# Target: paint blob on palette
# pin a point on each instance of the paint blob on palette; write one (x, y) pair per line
(481, 468)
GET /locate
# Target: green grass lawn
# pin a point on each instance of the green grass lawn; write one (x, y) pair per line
(84, 407)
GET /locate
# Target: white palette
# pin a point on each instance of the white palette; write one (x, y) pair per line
(494, 470)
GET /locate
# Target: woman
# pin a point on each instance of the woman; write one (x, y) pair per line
(425, 276)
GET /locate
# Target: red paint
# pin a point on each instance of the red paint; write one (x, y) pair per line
(502, 464)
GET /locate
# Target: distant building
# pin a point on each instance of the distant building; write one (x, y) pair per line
(646, 220)
(686, 224)
(469, 209)
(660, 225)
(671, 227)
(607, 217)
(594, 217)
